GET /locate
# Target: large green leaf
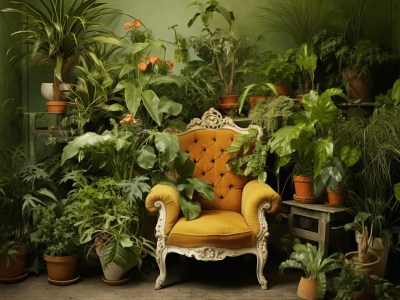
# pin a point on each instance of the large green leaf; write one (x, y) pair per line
(323, 152)
(205, 189)
(87, 139)
(332, 173)
(151, 102)
(137, 47)
(183, 165)
(191, 209)
(146, 158)
(396, 92)
(166, 79)
(350, 156)
(167, 144)
(133, 95)
(169, 107)
(281, 141)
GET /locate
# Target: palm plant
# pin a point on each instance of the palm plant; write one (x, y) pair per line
(298, 18)
(310, 259)
(55, 32)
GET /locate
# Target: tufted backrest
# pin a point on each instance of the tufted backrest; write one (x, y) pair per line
(206, 141)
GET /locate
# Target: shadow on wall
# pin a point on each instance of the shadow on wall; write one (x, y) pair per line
(10, 122)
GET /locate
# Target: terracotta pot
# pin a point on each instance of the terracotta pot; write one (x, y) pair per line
(358, 88)
(254, 100)
(61, 268)
(304, 189)
(56, 106)
(307, 288)
(335, 198)
(12, 270)
(369, 268)
(282, 90)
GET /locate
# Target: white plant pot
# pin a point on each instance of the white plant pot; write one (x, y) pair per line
(47, 90)
(112, 271)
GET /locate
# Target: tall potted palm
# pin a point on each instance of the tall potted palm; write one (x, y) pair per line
(55, 32)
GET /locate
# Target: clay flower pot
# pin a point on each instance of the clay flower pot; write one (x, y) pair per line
(307, 288)
(13, 270)
(304, 189)
(335, 198)
(62, 269)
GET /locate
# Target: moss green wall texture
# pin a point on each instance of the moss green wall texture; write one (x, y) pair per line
(10, 128)
(158, 15)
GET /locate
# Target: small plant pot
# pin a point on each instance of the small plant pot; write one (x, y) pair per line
(357, 87)
(56, 106)
(62, 269)
(307, 288)
(113, 273)
(304, 189)
(13, 270)
(336, 198)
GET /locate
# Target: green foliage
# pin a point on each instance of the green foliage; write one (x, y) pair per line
(362, 57)
(186, 185)
(309, 259)
(271, 114)
(206, 12)
(384, 289)
(350, 281)
(23, 185)
(56, 32)
(55, 232)
(309, 138)
(306, 60)
(250, 155)
(300, 19)
(105, 216)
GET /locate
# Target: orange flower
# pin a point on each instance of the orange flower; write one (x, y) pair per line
(170, 64)
(136, 23)
(128, 119)
(142, 66)
(128, 25)
(154, 60)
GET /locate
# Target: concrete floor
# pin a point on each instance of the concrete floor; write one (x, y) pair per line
(233, 278)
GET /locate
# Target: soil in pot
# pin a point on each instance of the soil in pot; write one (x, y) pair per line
(13, 270)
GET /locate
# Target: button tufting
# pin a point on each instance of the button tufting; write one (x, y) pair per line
(194, 160)
(203, 173)
(222, 174)
(204, 149)
(231, 186)
(221, 197)
(213, 160)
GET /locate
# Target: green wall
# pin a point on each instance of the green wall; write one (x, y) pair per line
(159, 15)
(10, 85)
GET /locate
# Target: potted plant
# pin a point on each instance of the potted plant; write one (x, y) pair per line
(109, 224)
(357, 60)
(334, 173)
(224, 50)
(368, 261)
(310, 259)
(20, 182)
(56, 233)
(54, 32)
(351, 283)
(308, 142)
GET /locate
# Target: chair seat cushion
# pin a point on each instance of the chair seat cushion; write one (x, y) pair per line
(213, 228)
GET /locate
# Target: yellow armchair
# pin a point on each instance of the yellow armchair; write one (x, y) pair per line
(234, 223)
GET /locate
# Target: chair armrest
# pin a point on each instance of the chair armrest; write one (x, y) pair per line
(168, 197)
(254, 195)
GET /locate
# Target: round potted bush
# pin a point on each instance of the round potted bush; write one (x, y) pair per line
(57, 234)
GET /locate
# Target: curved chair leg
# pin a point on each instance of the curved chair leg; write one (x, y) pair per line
(161, 261)
(261, 260)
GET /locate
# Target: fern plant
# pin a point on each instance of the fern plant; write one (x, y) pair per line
(310, 259)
